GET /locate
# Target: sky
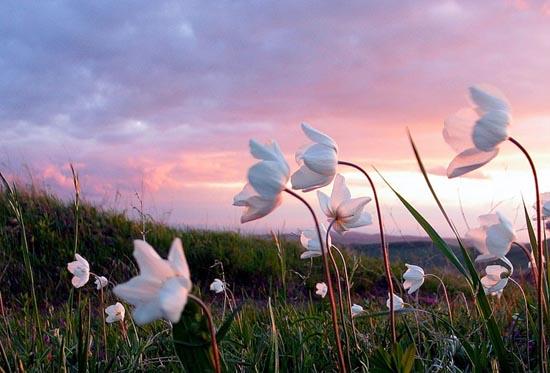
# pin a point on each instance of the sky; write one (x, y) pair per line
(161, 99)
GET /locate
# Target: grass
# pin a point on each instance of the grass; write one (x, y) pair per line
(291, 332)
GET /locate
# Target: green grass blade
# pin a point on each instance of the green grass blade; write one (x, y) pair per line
(506, 360)
(435, 237)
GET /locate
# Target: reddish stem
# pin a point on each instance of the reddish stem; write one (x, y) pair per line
(540, 252)
(385, 253)
(212, 329)
(328, 280)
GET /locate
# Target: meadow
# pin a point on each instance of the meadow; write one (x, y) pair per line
(74, 299)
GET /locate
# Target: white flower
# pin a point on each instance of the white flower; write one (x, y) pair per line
(493, 238)
(269, 176)
(266, 180)
(161, 289)
(310, 241)
(80, 270)
(256, 206)
(346, 212)
(493, 282)
(356, 310)
(217, 286)
(475, 133)
(414, 278)
(321, 289)
(115, 313)
(100, 282)
(397, 303)
(318, 161)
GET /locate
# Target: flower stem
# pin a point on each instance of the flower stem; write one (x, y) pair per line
(334, 312)
(348, 291)
(385, 253)
(340, 293)
(526, 317)
(446, 296)
(212, 329)
(540, 252)
(102, 308)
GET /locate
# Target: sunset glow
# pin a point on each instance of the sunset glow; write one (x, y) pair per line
(162, 102)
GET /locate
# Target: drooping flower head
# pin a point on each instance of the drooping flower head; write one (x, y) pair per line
(414, 278)
(80, 269)
(475, 133)
(217, 286)
(398, 303)
(346, 212)
(493, 238)
(310, 241)
(161, 289)
(266, 180)
(495, 280)
(321, 289)
(256, 206)
(356, 310)
(115, 313)
(318, 161)
(100, 282)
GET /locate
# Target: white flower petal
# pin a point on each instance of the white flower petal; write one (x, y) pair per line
(258, 207)
(397, 303)
(324, 203)
(321, 159)
(458, 129)
(488, 219)
(79, 281)
(147, 312)
(310, 254)
(356, 309)
(488, 98)
(173, 298)
(261, 151)
(469, 160)
(241, 199)
(308, 180)
(350, 210)
(477, 238)
(364, 219)
(340, 192)
(267, 178)
(490, 130)
(138, 290)
(321, 289)
(150, 263)
(177, 260)
(318, 136)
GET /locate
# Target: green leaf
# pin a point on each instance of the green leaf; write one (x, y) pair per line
(222, 331)
(192, 340)
(438, 241)
(507, 361)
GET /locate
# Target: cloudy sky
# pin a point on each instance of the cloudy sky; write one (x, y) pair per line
(161, 98)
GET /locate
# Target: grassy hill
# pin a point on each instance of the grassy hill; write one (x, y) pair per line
(252, 265)
(259, 270)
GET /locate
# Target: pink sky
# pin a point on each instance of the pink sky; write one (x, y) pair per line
(169, 93)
